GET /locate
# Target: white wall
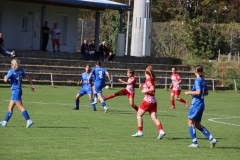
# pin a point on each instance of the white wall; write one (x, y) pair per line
(16, 38)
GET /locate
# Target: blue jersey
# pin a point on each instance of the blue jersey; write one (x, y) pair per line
(84, 78)
(198, 100)
(15, 78)
(99, 74)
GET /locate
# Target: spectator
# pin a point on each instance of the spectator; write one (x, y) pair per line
(108, 54)
(55, 32)
(103, 49)
(92, 50)
(45, 36)
(85, 49)
(3, 49)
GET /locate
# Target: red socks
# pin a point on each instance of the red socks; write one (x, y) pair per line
(135, 107)
(109, 96)
(181, 100)
(160, 127)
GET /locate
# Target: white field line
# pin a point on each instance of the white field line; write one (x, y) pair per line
(216, 120)
(210, 119)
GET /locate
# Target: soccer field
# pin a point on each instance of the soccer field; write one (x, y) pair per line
(60, 133)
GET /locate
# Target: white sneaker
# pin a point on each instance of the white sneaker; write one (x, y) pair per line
(193, 145)
(161, 134)
(105, 109)
(3, 123)
(13, 54)
(213, 143)
(138, 134)
(95, 100)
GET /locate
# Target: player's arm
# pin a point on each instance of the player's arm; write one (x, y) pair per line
(31, 83)
(5, 79)
(179, 81)
(79, 82)
(90, 75)
(127, 83)
(191, 93)
(108, 75)
(148, 90)
(170, 87)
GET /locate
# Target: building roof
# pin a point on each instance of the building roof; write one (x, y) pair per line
(88, 4)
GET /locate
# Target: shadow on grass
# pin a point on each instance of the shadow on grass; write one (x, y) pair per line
(120, 112)
(60, 127)
(228, 147)
(4, 86)
(172, 138)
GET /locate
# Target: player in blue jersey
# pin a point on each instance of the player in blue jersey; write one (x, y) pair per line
(15, 76)
(195, 112)
(99, 74)
(86, 88)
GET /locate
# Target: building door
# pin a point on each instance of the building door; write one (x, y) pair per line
(36, 31)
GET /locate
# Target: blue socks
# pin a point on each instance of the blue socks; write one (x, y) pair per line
(103, 104)
(93, 105)
(95, 95)
(206, 133)
(77, 103)
(192, 132)
(8, 116)
(25, 115)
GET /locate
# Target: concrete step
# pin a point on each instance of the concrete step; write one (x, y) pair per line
(78, 70)
(80, 63)
(79, 56)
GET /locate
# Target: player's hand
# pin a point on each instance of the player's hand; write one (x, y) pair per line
(110, 81)
(186, 93)
(144, 91)
(33, 89)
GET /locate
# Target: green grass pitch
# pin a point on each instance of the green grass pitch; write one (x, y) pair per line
(60, 133)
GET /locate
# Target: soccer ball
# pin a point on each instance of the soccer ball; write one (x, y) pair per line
(107, 87)
(102, 97)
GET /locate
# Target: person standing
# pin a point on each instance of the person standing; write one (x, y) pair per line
(85, 49)
(103, 49)
(15, 75)
(149, 104)
(55, 32)
(129, 90)
(195, 112)
(99, 74)
(92, 50)
(176, 89)
(3, 48)
(45, 36)
(86, 88)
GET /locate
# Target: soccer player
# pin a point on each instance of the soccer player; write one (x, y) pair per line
(15, 76)
(176, 89)
(129, 90)
(195, 112)
(99, 74)
(149, 104)
(86, 88)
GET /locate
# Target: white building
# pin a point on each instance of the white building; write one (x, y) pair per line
(21, 21)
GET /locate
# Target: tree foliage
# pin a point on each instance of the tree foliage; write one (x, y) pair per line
(201, 27)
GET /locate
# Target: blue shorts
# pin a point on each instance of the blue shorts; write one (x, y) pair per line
(85, 91)
(195, 113)
(98, 87)
(16, 95)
